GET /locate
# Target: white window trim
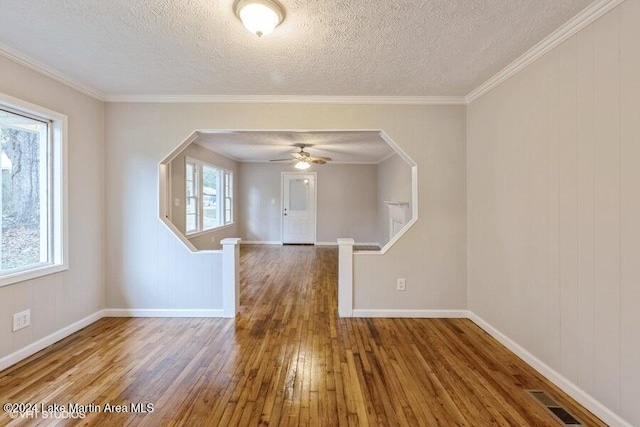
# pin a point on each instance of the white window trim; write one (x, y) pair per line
(197, 197)
(227, 177)
(59, 200)
(200, 186)
(203, 232)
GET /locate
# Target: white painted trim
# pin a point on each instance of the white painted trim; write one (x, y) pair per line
(368, 244)
(414, 196)
(162, 312)
(333, 162)
(211, 230)
(420, 314)
(47, 71)
(345, 277)
(355, 244)
(571, 27)
(230, 276)
(287, 99)
(58, 198)
(45, 342)
(556, 378)
(314, 176)
(549, 373)
(584, 18)
(54, 74)
(181, 237)
(261, 242)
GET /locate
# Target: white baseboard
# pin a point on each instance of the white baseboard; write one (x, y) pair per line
(261, 242)
(556, 378)
(161, 312)
(580, 396)
(45, 342)
(356, 244)
(423, 314)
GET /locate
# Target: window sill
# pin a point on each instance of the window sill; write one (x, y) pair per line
(211, 230)
(33, 273)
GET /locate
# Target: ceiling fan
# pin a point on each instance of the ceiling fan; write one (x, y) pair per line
(303, 159)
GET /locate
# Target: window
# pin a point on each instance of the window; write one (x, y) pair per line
(228, 198)
(192, 198)
(31, 202)
(209, 197)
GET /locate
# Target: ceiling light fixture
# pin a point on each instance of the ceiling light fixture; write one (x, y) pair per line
(259, 16)
(302, 165)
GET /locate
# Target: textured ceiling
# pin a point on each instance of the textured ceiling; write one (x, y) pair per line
(332, 47)
(341, 146)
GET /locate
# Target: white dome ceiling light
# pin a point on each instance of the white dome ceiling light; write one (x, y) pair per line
(259, 16)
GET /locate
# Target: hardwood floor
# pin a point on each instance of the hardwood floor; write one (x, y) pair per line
(287, 359)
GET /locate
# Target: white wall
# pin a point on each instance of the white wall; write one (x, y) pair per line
(554, 209)
(145, 267)
(346, 201)
(394, 184)
(259, 195)
(59, 300)
(431, 256)
(178, 189)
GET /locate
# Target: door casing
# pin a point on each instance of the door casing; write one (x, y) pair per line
(314, 176)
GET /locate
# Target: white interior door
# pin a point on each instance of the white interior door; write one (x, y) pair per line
(298, 207)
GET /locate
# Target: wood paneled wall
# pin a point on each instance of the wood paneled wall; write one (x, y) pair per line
(554, 209)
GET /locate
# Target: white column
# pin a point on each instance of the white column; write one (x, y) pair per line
(345, 277)
(230, 276)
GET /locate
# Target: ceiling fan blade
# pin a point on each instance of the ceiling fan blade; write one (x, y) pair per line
(282, 160)
(326, 159)
(317, 161)
(298, 156)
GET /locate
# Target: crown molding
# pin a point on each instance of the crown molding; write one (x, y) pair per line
(571, 27)
(56, 75)
(287, 99)
(45, 70)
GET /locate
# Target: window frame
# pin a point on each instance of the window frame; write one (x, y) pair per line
(196, 196)
(57, 188)
(227, 177)
(220, 198)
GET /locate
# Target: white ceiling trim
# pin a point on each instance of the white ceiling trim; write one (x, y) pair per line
(39, 67)
(286, 99)
(580, 21)
(571, 27)
(331, 162)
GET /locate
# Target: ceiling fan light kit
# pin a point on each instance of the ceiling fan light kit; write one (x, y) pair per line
(259, 16)
(302, 159)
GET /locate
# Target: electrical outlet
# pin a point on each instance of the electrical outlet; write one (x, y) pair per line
(401, 285)
(213, 239)
(21, 320)
(176, 202)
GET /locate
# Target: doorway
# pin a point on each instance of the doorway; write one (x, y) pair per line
(299, 199)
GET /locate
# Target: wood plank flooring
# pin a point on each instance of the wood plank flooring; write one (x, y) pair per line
(287, 360)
